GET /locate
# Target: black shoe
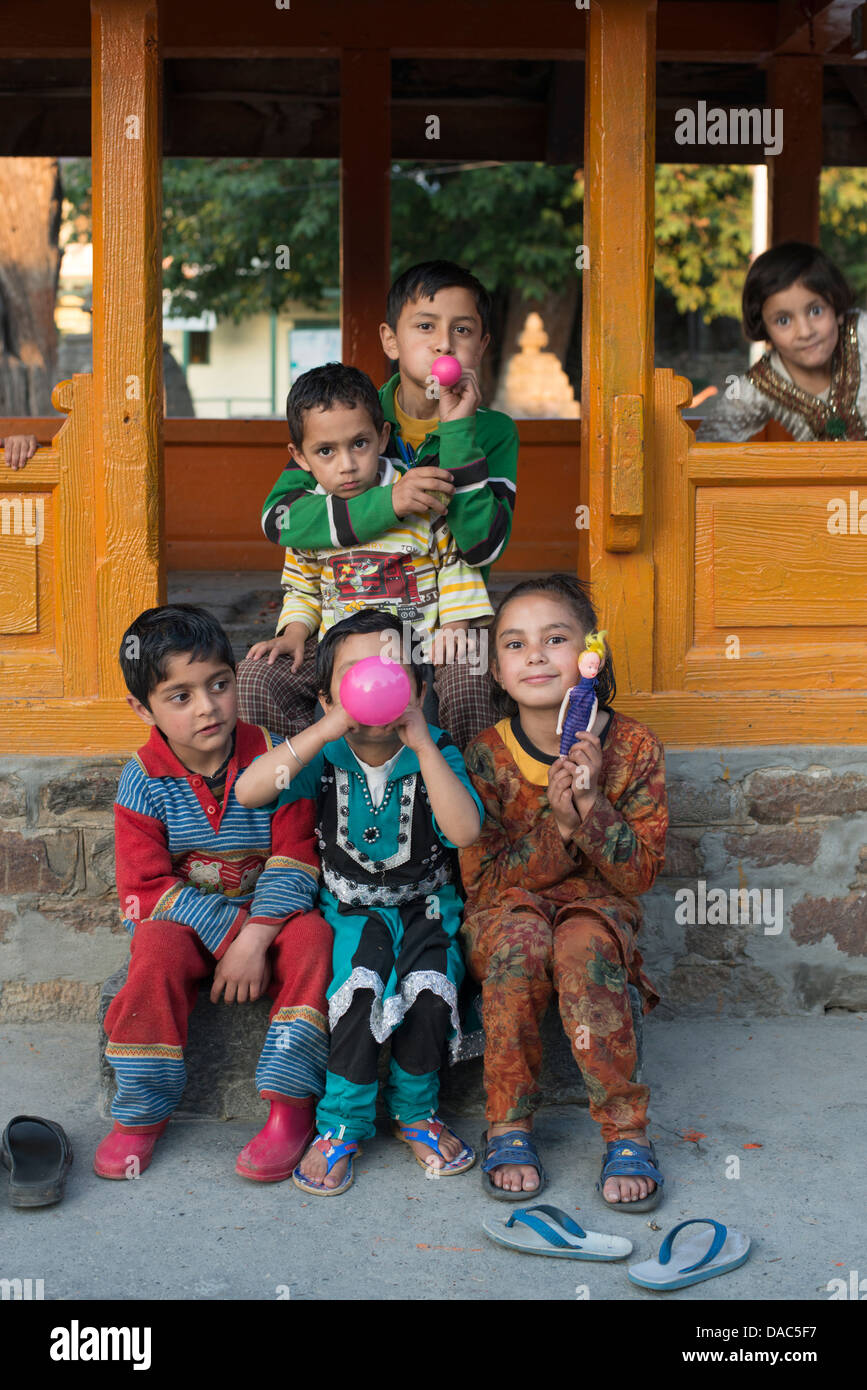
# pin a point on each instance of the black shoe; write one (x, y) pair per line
(37, 1154)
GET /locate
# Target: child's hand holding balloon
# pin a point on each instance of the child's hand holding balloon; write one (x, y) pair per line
(445, 383)
(412, 729)
(459, 392)
(336, 723)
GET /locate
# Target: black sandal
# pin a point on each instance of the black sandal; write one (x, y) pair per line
(515, 1146)
(38, 1154)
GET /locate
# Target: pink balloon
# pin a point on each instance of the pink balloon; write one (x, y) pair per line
(374, 691)
(446, 369)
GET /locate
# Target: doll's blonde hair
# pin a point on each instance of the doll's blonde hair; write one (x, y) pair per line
(595, 642)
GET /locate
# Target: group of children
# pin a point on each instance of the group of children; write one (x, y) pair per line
(355, 872)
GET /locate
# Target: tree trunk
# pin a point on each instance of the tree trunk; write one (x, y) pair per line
(30, 206)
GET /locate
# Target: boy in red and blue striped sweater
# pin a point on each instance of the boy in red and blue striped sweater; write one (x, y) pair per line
(205, 882)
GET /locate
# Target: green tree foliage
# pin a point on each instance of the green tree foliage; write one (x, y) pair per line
(224, 224)
(516, 225)
(703, 227)
(844, 223)
(223, 221)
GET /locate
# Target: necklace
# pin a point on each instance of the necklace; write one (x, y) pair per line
(371, 833)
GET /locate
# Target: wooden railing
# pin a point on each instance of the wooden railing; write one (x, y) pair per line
(758, 619)
(219, 472)
(61, 617)
(755, 617)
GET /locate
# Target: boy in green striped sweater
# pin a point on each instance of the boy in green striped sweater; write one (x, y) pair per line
(451, 457)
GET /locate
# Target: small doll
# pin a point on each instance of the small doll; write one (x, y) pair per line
(580, 704)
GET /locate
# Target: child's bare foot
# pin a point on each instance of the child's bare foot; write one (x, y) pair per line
(450, 1145)
(629, 1189)
(314, 1165)
(514, 1177)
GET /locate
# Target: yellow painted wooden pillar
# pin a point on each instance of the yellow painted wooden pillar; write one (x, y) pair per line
(617, 394)
(127, 321)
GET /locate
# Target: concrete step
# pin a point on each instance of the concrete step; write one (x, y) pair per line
(247, 602)
(225, 1040)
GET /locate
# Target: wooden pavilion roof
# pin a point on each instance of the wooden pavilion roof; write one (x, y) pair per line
(506, 80)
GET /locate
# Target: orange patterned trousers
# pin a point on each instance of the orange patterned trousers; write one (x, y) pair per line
(520, 952)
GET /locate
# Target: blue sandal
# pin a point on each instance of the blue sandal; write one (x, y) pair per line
(701, 1255)
(553, 1233)
(431, 1136)
(624, 1158)
(333, 1154)
(515, 1146)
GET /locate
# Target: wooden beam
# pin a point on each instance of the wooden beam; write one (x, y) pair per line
(365, 205)
(46, 29)
(497, 28)
(565, 133)
(56, 127)
(617, 394)
(814, 26)
(795, 87)
(855, 82)
(734, 31)
(731, 31)
(127, 321)
(221, 123)
(301, 127)
(845, 147)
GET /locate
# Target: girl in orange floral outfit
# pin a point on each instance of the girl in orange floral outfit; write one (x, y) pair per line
(552, 883)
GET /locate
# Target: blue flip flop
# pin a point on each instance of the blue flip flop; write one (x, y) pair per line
(701, 1256)
(624, 1158)
(431, 1136)
(515, 1146)
(554, 1233)
(333, 1154)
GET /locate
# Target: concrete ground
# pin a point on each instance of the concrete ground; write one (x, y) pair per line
(190, 1228)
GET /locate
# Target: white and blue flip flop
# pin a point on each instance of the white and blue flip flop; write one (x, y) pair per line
(554, 1233)
(702, 1255)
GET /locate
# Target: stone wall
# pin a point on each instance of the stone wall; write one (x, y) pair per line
(788, 822)
(792, 824)
(60, 932)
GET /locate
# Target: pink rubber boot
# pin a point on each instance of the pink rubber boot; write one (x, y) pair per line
(114, 1158)
(279, 1147)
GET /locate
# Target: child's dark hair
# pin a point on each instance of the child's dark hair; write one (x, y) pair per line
(365, 620)
(177, 629)
(426, 279)
(777, 269)
(324, 387)
(576, 595)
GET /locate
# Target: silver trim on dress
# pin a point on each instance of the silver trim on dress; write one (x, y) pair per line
(353, 894)
(385, 1017)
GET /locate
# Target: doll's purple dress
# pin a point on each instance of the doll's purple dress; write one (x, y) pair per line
(582, 698)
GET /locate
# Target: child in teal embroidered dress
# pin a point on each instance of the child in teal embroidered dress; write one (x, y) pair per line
(394, 802)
